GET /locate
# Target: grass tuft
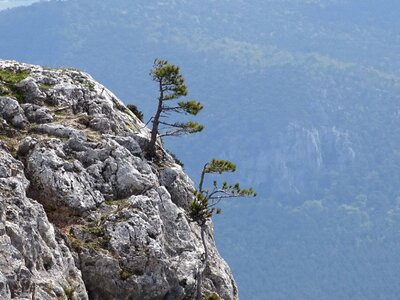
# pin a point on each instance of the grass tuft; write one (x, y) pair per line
(12, 77)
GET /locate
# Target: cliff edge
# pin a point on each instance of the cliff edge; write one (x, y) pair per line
(83, 214)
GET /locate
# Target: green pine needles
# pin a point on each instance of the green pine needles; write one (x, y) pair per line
(205, 202)
(171, 86)
(203, 207)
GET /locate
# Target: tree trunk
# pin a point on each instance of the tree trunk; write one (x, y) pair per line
(203, 266)
(203, 172)
(156, 122)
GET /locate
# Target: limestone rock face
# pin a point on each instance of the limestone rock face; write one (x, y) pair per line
(34, 262)
(83, 214)
(179, 185)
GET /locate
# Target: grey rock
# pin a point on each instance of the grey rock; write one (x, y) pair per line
(60, 131)
(34, 264)
(116, 171)
(65, 93)
(31, 91)
(26, 145)
(11, 111)
(76, 144)
(129, 143)
(5, 292)
(178, 184)
(101, 123)
(37, 114)
(156, 252)
(57, 183)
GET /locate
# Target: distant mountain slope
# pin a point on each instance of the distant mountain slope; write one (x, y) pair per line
(303, 95)
(5, 4)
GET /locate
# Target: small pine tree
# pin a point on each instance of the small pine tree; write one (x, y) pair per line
(203, 207)
(171, 86)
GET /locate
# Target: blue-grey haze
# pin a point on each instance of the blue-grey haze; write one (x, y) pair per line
(4, 4)
(303, 95)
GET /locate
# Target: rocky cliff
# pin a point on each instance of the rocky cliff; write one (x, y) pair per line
(83, 213)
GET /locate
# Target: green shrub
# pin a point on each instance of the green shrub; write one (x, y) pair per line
(9, 78)
(69, 292)
(133, 108)
(213, 296)
(125, 274)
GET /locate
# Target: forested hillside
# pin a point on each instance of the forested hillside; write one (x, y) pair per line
(303, 95)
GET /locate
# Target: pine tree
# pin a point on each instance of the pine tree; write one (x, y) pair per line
(171, 85)
(204, 205)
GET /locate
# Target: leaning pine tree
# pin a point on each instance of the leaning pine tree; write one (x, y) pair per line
(204, 206)
(171, 85)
